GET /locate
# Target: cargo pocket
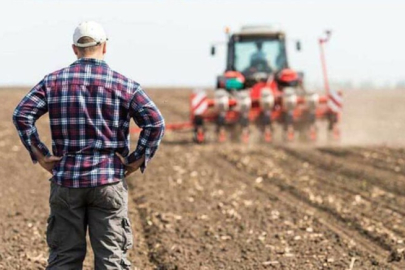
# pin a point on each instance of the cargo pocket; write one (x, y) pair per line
(59, 196)
(127, 237)
(50, 233)
(106, 197)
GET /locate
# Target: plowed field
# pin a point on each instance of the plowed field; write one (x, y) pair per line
(234, 206)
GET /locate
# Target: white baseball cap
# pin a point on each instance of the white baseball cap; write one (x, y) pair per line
(89, 29)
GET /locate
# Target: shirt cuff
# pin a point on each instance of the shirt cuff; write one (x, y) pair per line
(43, 149)
(136, 155)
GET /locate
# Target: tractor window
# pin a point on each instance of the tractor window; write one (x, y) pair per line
(259, 55)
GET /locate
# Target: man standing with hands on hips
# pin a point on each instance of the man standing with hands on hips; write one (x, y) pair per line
(90, 107)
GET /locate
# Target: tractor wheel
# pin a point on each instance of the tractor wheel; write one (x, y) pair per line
(268, 135)
(313, 133)
(199, 135)
(289, 134)
(336, 132)
(334, 128)
(245, 135)
(221, 135)
(199, 131)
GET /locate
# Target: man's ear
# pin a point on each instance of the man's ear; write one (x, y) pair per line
(104, 47)
(75, 49)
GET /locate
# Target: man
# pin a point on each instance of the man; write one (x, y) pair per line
(90, 107)
(258, 54)
(258, 59)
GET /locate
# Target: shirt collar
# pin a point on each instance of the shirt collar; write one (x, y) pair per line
(90, 61)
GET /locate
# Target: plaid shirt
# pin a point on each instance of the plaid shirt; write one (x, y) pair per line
(90, 107)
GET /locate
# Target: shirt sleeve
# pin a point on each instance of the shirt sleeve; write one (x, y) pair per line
(148, 117)
(31, 107)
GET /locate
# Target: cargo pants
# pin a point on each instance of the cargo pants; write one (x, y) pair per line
(104, 211)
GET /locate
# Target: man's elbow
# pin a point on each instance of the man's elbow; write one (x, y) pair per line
(163, 126)
(21, 119)
(15, 117)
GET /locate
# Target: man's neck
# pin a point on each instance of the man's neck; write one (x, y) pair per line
(97, 57)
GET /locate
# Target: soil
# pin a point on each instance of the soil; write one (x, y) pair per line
(237, 206)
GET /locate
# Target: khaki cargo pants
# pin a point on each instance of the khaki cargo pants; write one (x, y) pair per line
(104, 210)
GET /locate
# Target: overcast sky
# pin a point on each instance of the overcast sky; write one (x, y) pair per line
(167, 42)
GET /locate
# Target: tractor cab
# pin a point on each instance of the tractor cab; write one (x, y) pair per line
(255, 52)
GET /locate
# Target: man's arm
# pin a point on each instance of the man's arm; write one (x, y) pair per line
(32, 107)
(148, 117)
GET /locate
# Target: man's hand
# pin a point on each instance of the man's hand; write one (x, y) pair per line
(131, 167)
(46, 162)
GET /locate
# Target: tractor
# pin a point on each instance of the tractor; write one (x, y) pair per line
(258, 87)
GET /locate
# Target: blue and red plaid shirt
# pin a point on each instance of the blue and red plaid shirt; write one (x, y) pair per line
(90, 107)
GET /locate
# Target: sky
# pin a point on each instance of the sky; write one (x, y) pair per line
(167, 43)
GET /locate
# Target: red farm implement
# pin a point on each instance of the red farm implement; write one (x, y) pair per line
(259, 88)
